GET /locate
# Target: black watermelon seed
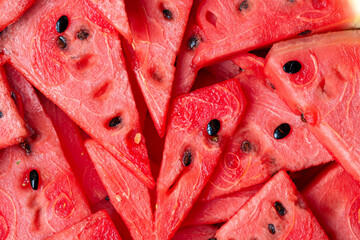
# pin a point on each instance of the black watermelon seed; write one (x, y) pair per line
(193, 42)
(280, 208)
(107, 198)
(213, 127)
(304, 33)
(13, 96)
(82, 34)
(244, 5)
(115, 122)
(34, 179)
(187, 158)
(292, 67)
(271, 228)
(61, 41)
(246, 146)
(303, 118)
(212, 239)
(272, 86)
(176, 59)
(167, 14)
(282, 131)
(26, 146)
(62, 24)
(1, 114)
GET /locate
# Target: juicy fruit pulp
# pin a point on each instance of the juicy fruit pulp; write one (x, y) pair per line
(39, 194)
(224, 28)
(10, 11)
(324, 91)
(190, 153)
(277, 211)
(82, 70)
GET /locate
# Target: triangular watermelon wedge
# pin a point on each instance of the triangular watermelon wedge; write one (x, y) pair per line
(38, 192)
(257, 151)
(74, 57)
(200, 125)
(128, 195)
(334, 197)
(11, 10)
(157, 28)
(97, 226)
(325, 92)
(223, 28)
(277, 211)
(12, 126)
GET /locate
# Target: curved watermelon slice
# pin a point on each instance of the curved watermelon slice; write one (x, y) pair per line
(277, 211)
(128, 195)
(326, 92)
(200, 232)
(334, 197)
(157, 28)
(11, 10)
(192, 149)
(12, 126)
(39, 194)
(223, 28)
(82, 70)
(95, 227)
(254, 153)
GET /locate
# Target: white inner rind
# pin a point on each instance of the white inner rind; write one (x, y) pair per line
(355, 5)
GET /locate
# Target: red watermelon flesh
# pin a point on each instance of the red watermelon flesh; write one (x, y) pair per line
(224, 28)
(11, 10)
(325, 91)
(114, 12)
(82, 70)
(254, 153)
(277, 211)
(200, 232)
(26, 213)
(221, 209)
(75, 152)
(334, 198)
(12, 126)
(157, 28)
(95, 227)
(190, 152)
(129, 196)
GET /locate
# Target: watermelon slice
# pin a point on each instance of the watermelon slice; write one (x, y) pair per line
(74, 58)
(10, 11)
(200, 232)
(257, 151)
(220, 209)
(223, 28)
(96, 226)
(75, 152)
(12, 127)
(326, 92)
(157, 27)
(199, 126)
(39, 193)
(277, 211)
(128, 195)
(334, 197)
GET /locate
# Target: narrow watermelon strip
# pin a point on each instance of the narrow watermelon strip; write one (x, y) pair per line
(193, 145)
(334, 198)
(128, 195)
(277, 211)
(10, 11)
(200, 232)
(48, 201)
(96, 226)
(327, 94)
(157, 28)
(223, 28)
(80, 67)
(255, 153)
(75, 152)
(12, 126)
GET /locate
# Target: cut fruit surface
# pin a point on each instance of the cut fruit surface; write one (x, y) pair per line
(10, 11)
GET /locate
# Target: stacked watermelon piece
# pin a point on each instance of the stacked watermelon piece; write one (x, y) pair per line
(191, 119)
